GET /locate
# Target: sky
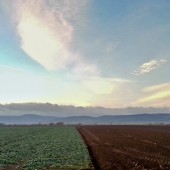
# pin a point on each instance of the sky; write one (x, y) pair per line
(110, 53)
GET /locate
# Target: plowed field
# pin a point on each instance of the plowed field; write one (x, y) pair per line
(128, 147)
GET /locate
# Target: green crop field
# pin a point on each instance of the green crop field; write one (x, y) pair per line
(42, 148)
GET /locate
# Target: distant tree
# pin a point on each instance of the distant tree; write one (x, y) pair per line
(60, 123)
(1, 124)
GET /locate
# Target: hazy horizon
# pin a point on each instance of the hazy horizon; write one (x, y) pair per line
(47, 109)
(110, 54)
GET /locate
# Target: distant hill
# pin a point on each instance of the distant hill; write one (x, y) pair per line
(26, 119)
(160, 118)
(45, 113)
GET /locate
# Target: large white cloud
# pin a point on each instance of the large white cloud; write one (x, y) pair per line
(45, 30)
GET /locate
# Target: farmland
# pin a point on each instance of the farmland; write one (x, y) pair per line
(42, 148)
(62, 147)
(128, 147)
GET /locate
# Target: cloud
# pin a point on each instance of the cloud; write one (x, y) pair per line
(46, 35)
(158, 95)
(110, 92)
(149, 66)
(91, 79)
(101, 85)
(157, 88)
(46, 32)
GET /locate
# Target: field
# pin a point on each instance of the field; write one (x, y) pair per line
(128, 147)
(42, 148)
(110, 148)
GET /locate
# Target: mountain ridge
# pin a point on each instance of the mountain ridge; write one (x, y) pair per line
(145, 118)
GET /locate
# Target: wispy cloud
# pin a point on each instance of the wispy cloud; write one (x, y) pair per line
(158, 95)
(156, 88)
(46, 32)
(149, 66)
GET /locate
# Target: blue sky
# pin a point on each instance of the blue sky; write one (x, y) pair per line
(94, 53)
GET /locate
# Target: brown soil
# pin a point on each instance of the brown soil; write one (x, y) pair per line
(128, 147)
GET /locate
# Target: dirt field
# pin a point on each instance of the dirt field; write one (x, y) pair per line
(128, 147)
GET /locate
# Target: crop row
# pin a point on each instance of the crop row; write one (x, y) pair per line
(42, 148)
